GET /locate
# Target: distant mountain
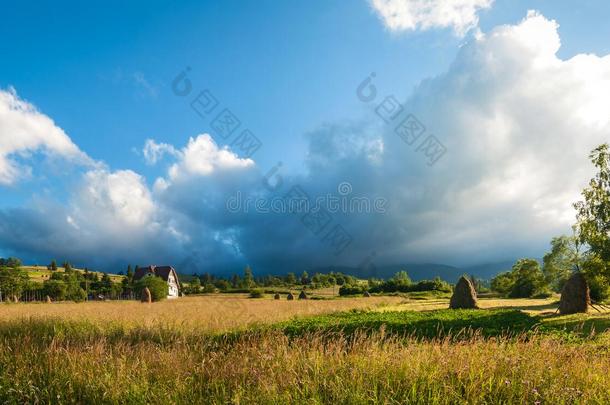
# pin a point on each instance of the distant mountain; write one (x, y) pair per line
(422, 271)
(488, 270)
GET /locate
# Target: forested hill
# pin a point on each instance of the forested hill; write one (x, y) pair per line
(422, 271)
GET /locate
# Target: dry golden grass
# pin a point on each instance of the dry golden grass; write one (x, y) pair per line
(271, 369)
(206, 313)
(128, 352)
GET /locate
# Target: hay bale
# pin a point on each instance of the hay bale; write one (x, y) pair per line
(290, 297)
(276, 296)
(464, 295)
(302, 295)
(49, 300)
(366, 294)
(146, 296)
(575, 296)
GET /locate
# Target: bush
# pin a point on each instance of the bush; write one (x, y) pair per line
(432, 285)
(347, 290)
(256, 293)
(209, 288)
(402, 283)
(157, 286)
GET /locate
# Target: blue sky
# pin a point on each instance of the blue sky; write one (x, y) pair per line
(289, 72)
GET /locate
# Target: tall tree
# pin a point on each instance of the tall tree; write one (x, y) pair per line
(593, 213)
(291, 279)
(248, 277)
(67, 267)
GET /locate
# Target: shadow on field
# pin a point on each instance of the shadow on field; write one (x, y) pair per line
(535, 307)
(582, 324)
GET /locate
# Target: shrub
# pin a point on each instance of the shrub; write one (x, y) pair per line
(157, 286)
(402, 283)
(347, 290)
(209, 288)
(432, 285)
(256, 293)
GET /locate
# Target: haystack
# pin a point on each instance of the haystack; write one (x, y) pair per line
(366, 294)
(146, 296)
(276, 296)
(302, 295)
(49, 300)
(290, 297)
(464, 295)
(575, 295)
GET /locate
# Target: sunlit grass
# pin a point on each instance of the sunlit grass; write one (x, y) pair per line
(231, 349)
(217, 312)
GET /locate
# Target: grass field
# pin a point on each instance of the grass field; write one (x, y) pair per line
(42, 273)
(231, 349)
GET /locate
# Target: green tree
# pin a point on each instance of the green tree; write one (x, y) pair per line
(528, 277)
(195, 285)
(67, 267)
(222, 285)
(105, 285)
(157, 286)
(402, 277)
(304, 278)
(12, 281)
(593, 213)
(53, 265)
(13, 262)
(56, 289)
(248, 280)
(209, 288)
(563, 259)
(291, 279)
(593, 268)
(503, 282)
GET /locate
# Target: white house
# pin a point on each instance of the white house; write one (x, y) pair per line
(167, 273)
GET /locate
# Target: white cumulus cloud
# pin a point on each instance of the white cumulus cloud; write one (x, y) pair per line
(153, 151)
(411, 15)
(202, 157)
(23, 131)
